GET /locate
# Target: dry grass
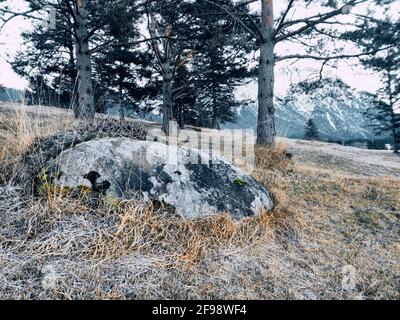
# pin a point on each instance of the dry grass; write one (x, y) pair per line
(43, 233)
(277, 159)
(324, 223)
(19, 129)
(133, 226)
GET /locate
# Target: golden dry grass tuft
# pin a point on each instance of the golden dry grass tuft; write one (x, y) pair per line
(19, 128)
(276, 158)
(141, 227)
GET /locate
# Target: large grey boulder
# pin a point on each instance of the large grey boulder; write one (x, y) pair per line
(129, 169)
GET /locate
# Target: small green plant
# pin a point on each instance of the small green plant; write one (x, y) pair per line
(111, 202)
(84, 190)
(239, 182)
(47, 187)
(45, 184)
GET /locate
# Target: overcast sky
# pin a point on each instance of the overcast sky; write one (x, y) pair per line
(355, 76)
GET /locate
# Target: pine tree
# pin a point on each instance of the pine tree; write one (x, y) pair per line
(48, 64)
(311, 130)
(88, 24)
(173, 29)
(220, 65)
(200, 59)
(118, 69)
(185, 95)
(383, 36)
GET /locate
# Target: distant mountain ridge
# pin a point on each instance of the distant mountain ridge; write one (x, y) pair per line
(11, 95)
(338, 112)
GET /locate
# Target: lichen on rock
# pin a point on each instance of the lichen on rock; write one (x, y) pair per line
(150, 170)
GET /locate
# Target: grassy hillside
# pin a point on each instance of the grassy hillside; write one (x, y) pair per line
(334, 233)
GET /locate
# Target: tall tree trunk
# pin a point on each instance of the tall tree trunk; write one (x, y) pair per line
(121, 106)
(392, 113)
(215, 116)
(396, 143)
(393, 123)
(179, 116)
(396, 139)
(215, 113)
(266, 122)
(168, 114)
(215, 122)
(73, 71)
(85, 106)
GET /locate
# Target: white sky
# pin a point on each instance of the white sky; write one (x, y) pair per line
(10, 43)
(355, 76)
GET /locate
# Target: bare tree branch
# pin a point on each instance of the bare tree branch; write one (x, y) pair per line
(328, 58)
(312, 21)
(229, 11)
(282, 19)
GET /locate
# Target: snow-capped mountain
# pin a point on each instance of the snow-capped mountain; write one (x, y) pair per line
(11, 95)
(338, 112)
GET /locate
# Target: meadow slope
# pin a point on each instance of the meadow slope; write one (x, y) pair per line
(334, 234)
